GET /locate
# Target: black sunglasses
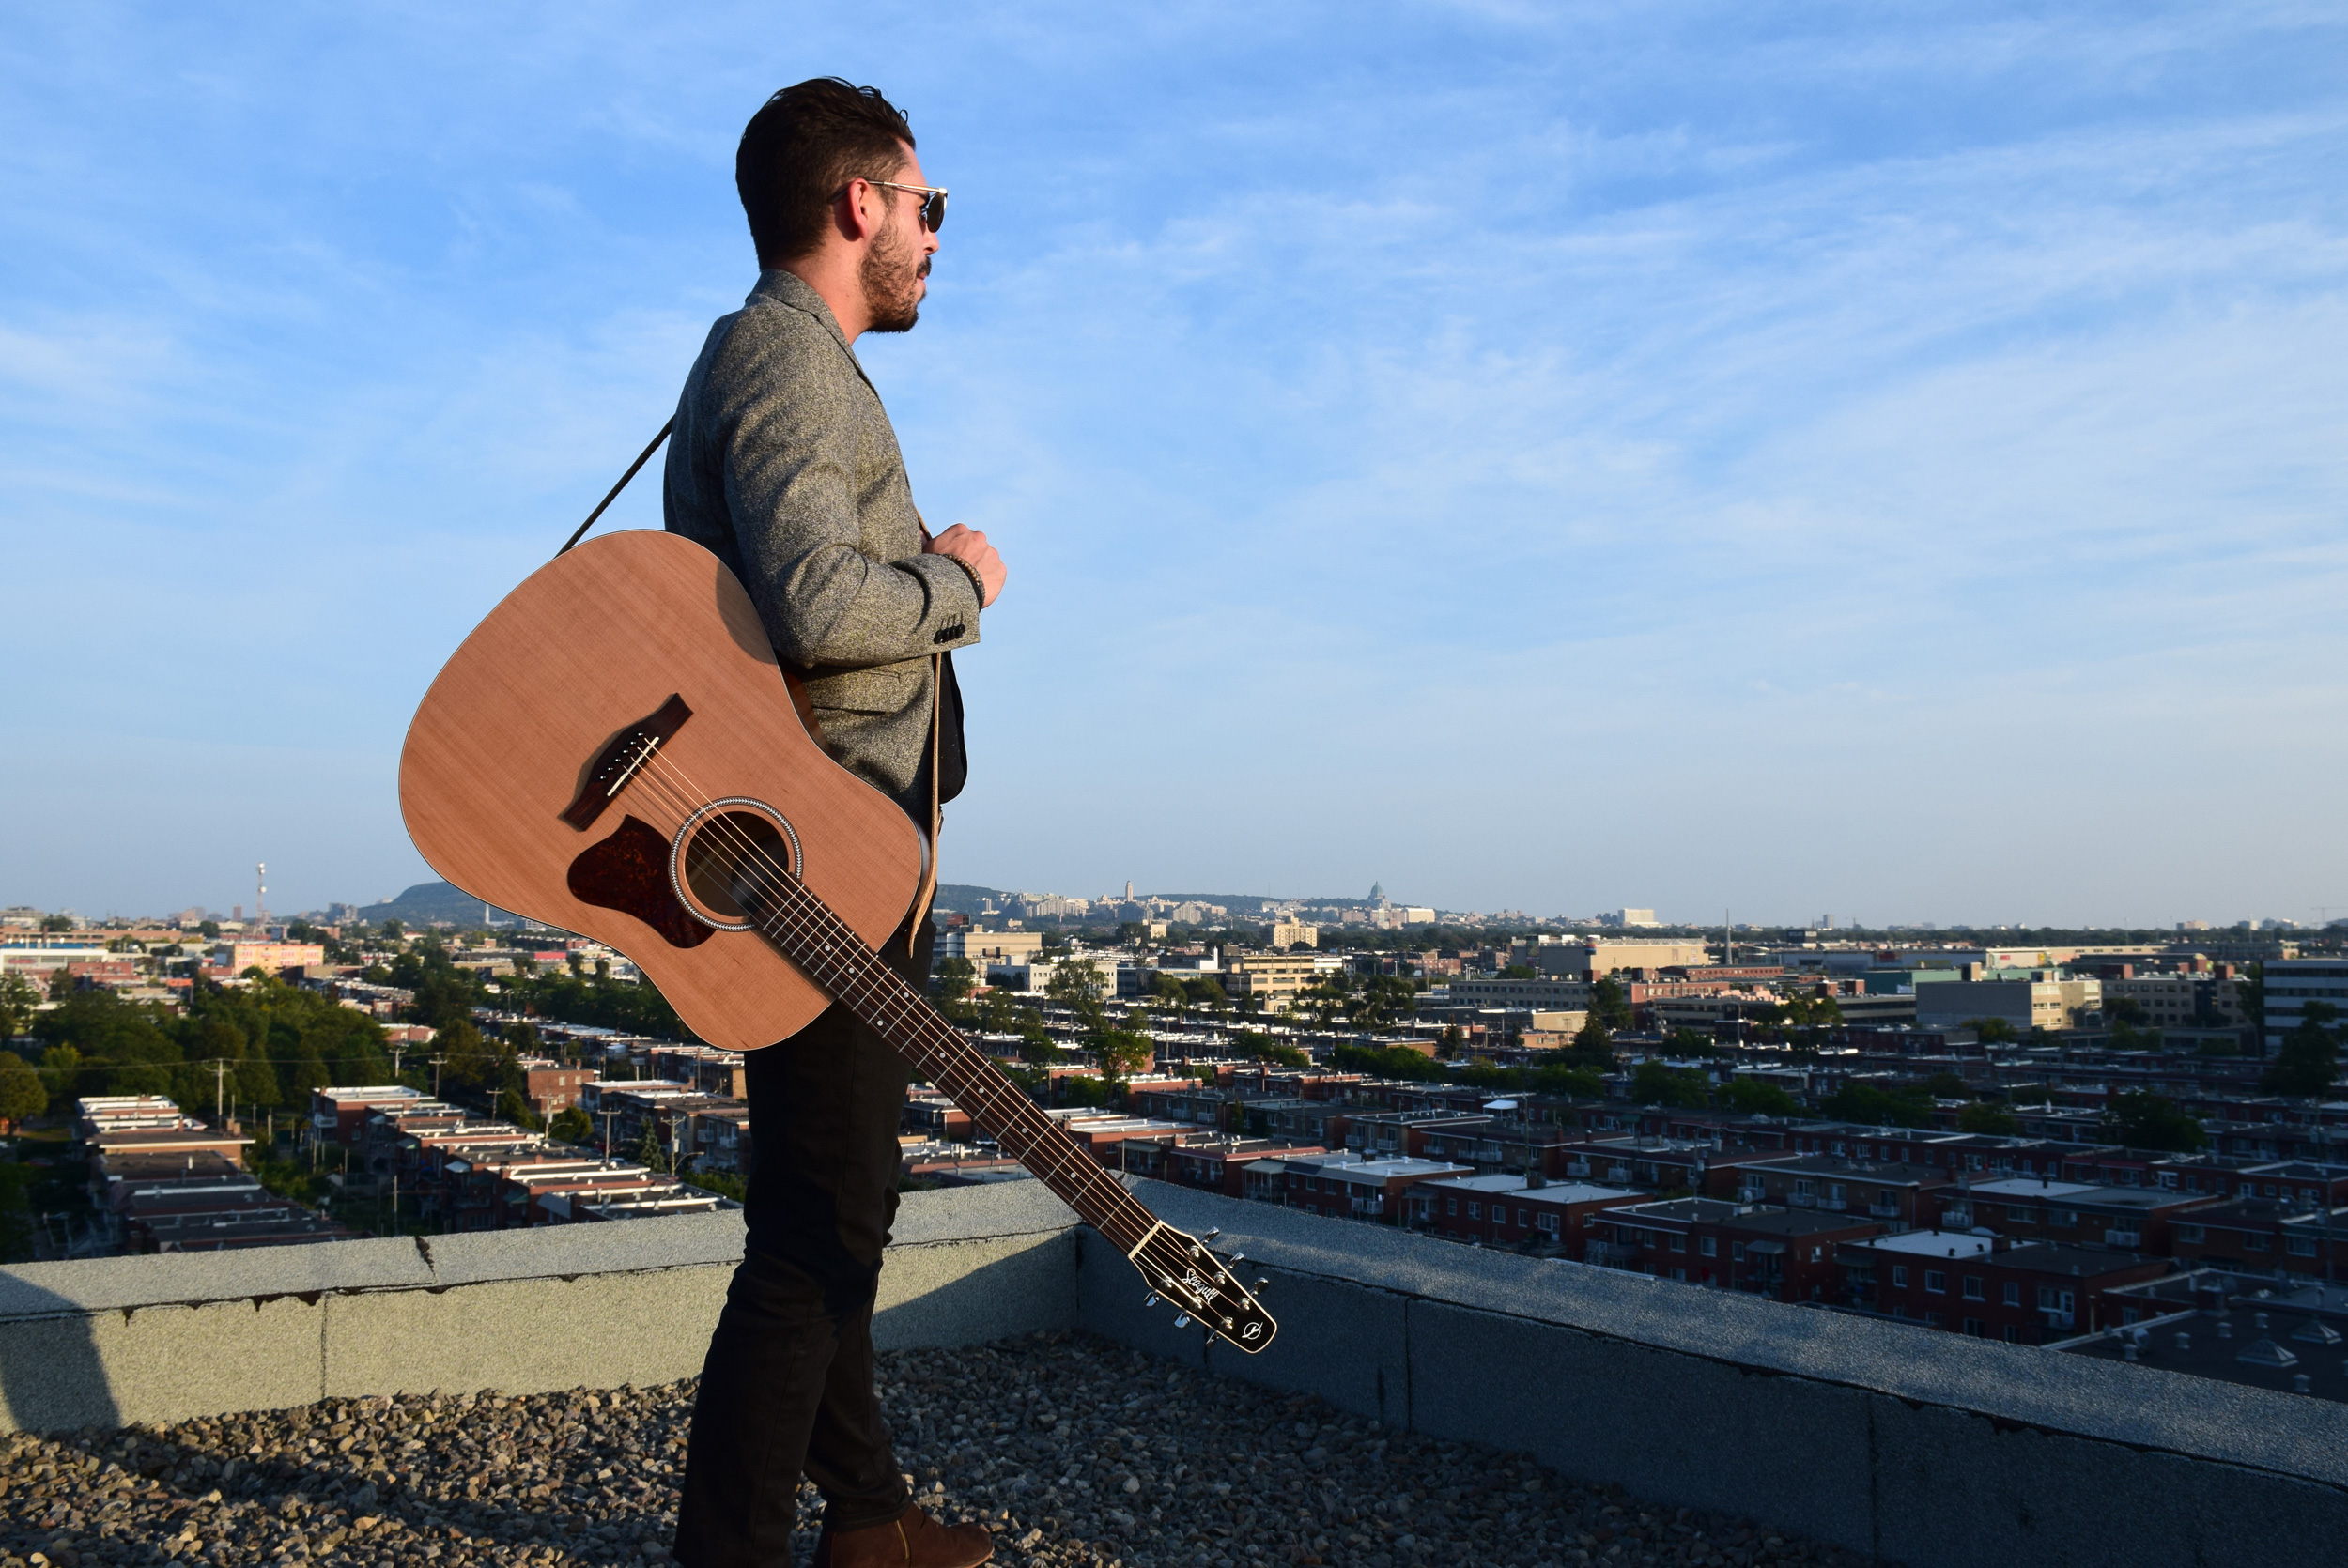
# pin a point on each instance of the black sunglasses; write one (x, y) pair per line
(932, 202)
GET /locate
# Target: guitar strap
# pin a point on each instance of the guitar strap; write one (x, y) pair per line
(795, 682)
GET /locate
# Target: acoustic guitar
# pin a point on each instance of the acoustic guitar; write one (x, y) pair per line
(614, 751)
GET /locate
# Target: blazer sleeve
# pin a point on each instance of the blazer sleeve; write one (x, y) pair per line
(792, 407)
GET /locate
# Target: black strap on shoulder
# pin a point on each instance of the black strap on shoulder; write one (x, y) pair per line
(642, 459)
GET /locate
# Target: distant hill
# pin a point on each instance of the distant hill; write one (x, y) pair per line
(961, 898)
(433, 901)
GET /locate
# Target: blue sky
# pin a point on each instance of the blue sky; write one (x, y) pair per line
(1877, 460)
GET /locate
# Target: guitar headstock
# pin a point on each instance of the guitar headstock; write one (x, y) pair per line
(1186, 1273)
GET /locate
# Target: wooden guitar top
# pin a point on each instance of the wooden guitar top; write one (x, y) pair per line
(588, 645)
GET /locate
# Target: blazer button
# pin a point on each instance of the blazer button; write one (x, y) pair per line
(947, 633)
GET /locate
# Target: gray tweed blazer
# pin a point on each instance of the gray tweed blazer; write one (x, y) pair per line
(783, 463)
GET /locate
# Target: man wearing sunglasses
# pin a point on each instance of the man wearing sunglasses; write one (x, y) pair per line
(784, 464)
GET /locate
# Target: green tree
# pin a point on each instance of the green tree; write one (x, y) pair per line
(22, 1096)
(1684, 1041)
(1561, 1078)
(1987, 1116)
(1864, 1102)
(60, 1069)
(957, 977)
(1168, 992)
(1946, 1085)
(1385, 1000)
(1121, 1052)
(648, 1151)
(1655, 1083)
(1593, 1047)
(1753, 1097)
(513, 1106)
(2309, 1061)
(1392, 1061)
(2151, 1121)
(469, 1061)
(1325, 999)
(572, 1125)
(1263, 1048)
(19, 1001)
(1610, 1005)
(1990, 1031)
(1078, 985)
(1209, 994)
(1035, 1042)
(2249, 995)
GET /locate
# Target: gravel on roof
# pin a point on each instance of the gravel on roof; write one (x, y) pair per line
(1075, 1452)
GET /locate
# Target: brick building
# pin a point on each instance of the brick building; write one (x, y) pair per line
(2028, 1294)
(1503, 1211)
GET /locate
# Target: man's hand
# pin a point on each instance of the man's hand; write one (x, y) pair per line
(970, 547)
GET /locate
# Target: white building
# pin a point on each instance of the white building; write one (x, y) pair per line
(2292, 984)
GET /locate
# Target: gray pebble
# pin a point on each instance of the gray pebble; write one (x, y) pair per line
(1075, 1452)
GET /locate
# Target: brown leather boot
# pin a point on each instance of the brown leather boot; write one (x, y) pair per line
(913, 1540)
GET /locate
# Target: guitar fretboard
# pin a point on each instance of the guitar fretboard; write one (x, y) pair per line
(804, 929)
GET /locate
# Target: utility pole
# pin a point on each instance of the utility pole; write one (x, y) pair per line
(398, 1052)
(607, 1116)
(436, 1075)
(220, 1091)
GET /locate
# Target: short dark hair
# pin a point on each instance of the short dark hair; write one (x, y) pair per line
(802, 146)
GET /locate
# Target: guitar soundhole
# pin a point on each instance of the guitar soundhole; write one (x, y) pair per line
(735, 863)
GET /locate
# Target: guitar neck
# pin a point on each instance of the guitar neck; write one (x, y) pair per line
(804, 929)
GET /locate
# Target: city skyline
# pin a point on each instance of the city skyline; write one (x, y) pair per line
(1853, 461)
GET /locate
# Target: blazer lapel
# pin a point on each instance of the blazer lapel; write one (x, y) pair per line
(789, 290)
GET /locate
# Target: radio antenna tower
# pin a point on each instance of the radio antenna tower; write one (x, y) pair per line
(260, 892)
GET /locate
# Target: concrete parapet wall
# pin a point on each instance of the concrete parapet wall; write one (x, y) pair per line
(110, 1340)
(1924, 1447)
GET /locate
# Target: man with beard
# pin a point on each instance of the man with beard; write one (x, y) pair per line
(785, 466)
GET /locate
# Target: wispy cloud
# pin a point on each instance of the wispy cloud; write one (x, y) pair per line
(1550, 456)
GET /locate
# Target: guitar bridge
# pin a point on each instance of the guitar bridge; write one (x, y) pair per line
(622, 758)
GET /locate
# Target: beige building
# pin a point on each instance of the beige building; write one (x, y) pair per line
(1591, 961)
(2166, 999)
(2043, 1002)
(1552, 1031)
(983, 947)
(1295, 933)
(1275, 978)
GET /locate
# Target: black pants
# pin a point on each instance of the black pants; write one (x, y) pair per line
(787, 1388)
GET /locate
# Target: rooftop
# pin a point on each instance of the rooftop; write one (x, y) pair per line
(1071, 1449)
(1551, 1191)
(1443, 1369)
(1930, 1243)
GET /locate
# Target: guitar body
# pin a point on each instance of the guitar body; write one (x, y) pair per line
(508, 735)
(615, 752)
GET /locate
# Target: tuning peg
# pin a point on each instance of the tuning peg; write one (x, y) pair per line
(1236, 1257)
(1151, 1301)
(1262, 1280)
(1181, 1320)
(1211, 1234)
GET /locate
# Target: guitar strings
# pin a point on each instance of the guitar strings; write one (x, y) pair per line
(677, 791)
